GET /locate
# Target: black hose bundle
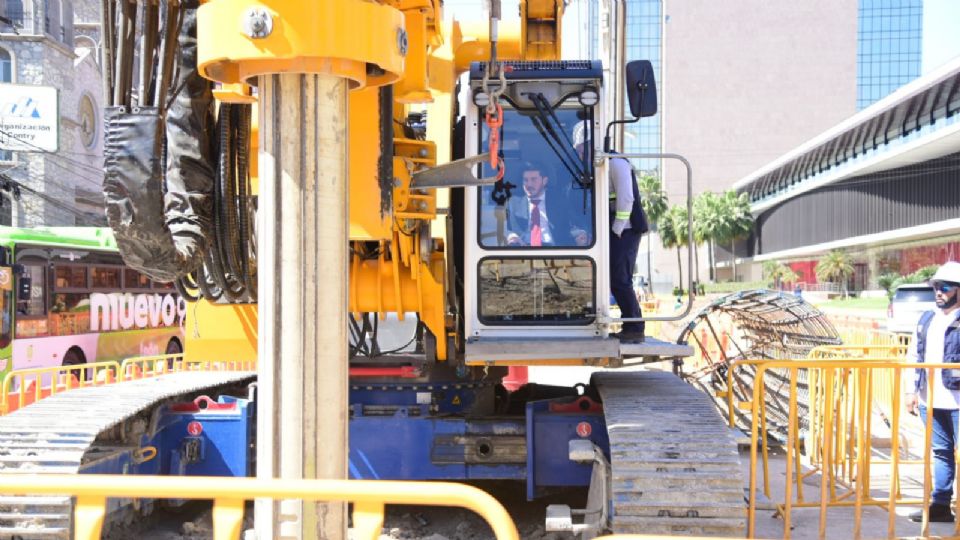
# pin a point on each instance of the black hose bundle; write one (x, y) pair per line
(178, 198)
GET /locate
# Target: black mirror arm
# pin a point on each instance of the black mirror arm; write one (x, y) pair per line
(606, 138)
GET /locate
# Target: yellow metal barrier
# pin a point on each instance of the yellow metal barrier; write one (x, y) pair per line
(369, 498)
(151, 366)
(840, 445)
(25, 386)
(861, 336)
(854, 351)
(30, 382)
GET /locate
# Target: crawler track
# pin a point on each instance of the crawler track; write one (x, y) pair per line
(676, 469)
(62, 433)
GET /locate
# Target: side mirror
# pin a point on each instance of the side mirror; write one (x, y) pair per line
(641, 89)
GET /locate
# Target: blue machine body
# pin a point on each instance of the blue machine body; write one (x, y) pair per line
(200, 438)
(425, 432)
(414, 432)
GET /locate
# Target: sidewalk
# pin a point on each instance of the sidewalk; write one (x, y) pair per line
(805, 522)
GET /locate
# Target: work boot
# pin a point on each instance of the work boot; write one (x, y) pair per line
(628, 336)
(939, 513)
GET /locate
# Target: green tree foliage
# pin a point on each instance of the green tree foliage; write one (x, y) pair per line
(672, 228)
(726, 218)
(892, 280)
(835, 266)
(655, 205)
(708, 224)
(777, 273)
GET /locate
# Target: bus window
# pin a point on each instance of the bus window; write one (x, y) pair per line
(6, 306)
(70, 277)
(32, 281)
(6, 298)
(135, 280)
(163, 286)
(69, 314)
(105, 277)
(31, 302)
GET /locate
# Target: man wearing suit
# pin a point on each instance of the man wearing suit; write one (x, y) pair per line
(542, 217)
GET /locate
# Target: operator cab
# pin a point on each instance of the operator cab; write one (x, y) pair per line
(540, 292)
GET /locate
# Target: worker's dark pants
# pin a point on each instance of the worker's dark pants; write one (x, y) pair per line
(623, 257)
(943, 443)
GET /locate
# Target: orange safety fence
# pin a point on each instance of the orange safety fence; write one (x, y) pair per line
(23, 387)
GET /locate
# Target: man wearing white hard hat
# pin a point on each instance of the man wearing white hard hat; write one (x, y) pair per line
(627, 225)
(937, 340)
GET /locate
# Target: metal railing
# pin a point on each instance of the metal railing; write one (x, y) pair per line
(23, 387)
(838, 440)
(369, 498)
(689, 169)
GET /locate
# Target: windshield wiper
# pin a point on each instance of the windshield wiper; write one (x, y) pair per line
(561, 145)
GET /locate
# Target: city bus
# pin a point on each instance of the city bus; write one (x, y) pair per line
(66, 298)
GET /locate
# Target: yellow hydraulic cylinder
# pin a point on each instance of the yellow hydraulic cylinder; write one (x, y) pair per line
(412, 88)
(243, 39)
(384, 285)
(371, 214)
(471, 43)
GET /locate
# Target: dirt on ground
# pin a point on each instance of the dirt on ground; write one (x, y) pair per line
(401, 523)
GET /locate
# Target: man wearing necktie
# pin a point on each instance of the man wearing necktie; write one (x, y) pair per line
(536, 220)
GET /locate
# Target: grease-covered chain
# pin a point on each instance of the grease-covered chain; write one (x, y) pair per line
(494, 116)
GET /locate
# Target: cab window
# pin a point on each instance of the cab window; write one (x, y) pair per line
(546, 197)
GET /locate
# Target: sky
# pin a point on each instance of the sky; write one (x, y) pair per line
(941, 26)
(941, 33)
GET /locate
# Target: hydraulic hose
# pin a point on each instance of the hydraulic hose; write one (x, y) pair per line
(177, 187)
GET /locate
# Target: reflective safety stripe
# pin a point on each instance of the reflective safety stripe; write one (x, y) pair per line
(613, 195)
(622, 215)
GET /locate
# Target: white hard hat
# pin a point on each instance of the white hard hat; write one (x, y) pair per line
(950, 271)
(580, 132)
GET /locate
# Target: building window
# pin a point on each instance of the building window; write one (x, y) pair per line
(888, 47)
(644, 36)
(6, 76)
(51, 19)
(6, 66)
(14, 13)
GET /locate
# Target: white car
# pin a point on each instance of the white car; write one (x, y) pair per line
(908, 303)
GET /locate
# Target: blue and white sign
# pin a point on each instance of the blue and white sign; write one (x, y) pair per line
(29, 118)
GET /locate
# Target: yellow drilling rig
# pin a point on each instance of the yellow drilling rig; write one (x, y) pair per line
(304, 170)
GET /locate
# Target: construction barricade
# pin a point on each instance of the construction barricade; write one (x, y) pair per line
(369, 498)
(23, 387)
(834, 437)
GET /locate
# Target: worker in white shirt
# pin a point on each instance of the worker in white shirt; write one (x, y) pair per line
(938, 341)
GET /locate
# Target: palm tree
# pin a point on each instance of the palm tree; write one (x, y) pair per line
(654, 202)
(779, 273)
(673, 233)
(737, 221)
(707, 224)
(835, 265)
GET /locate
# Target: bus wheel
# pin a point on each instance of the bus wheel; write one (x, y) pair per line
(174, 347)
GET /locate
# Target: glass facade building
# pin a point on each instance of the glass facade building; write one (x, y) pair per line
(889, 34)
(644, 35)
